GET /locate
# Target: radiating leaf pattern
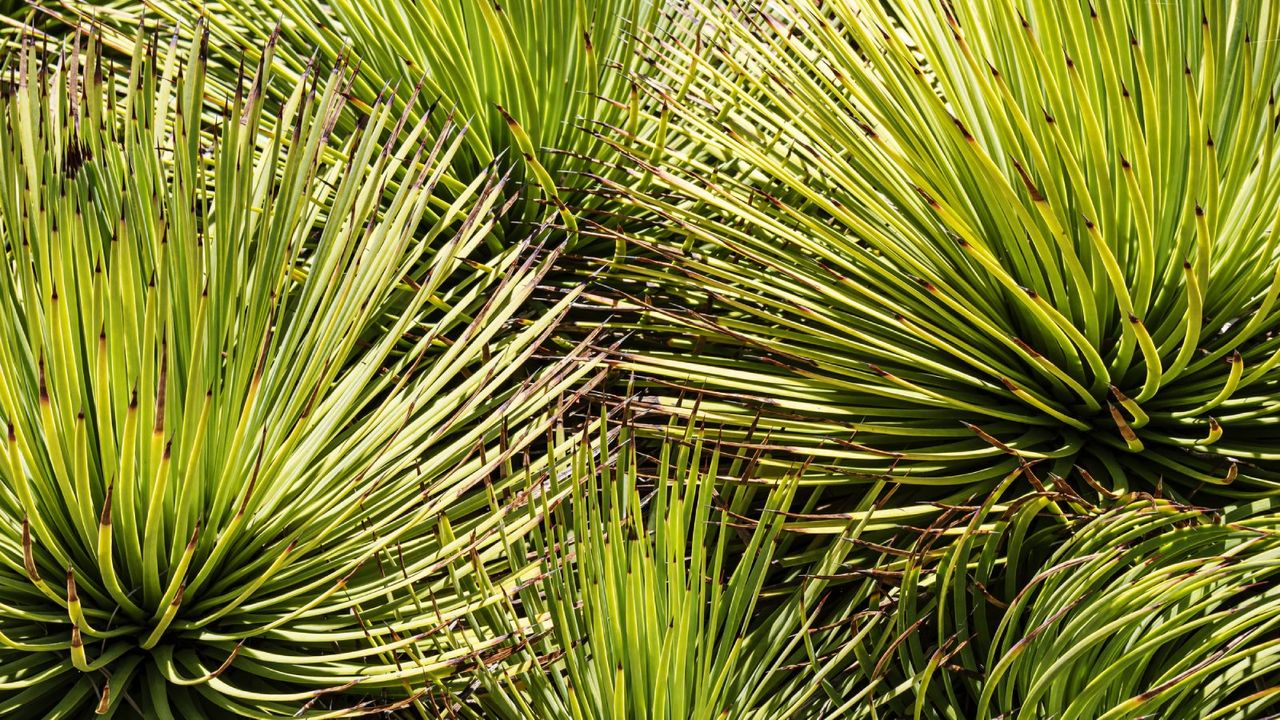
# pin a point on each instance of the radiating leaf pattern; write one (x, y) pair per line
(610, 359)
(1147, 609)
(252, 413)
(522, 76)
(937, 244)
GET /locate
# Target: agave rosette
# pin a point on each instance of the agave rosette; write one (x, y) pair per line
(522, 76)
(951, 332)
(1147, 609)
(937, 240)
(1043, 605)
(262, 411)
(678, 585)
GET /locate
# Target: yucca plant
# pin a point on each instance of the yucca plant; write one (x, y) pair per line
(1044, 605)
(1160, 612)
(1148, 609)
(261, 421)
(667, 593)
(521, 76)
(935, 240)
(966, 313)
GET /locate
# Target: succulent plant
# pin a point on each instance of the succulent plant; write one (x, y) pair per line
(667, 594)
(521, 76)
(261, 427)
(1147, 609)
(933, 241)
(605, 359)
(1143, 608)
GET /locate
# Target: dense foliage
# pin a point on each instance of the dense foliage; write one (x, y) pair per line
(940, 243)
(250, 411)
(602, 359)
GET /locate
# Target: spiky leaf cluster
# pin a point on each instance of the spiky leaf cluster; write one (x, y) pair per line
(970, 310)
(521, 76)
(938, 243)
(668, 594)
(252, 409)
(1141, 608)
